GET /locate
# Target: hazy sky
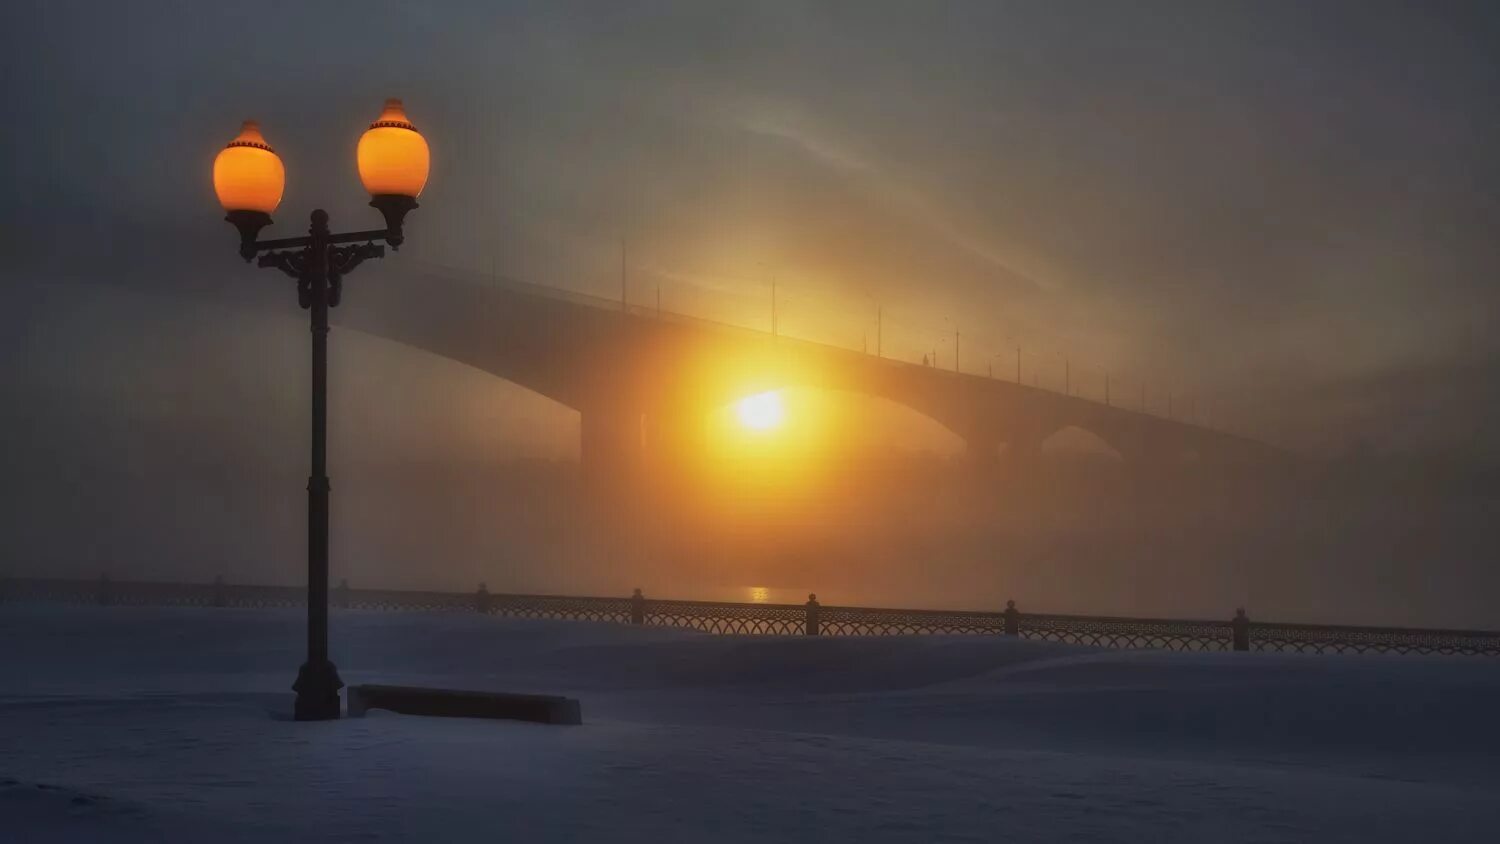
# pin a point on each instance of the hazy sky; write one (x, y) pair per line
(1290, 207)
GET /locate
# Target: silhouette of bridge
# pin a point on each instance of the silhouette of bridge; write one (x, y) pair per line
(643, 380)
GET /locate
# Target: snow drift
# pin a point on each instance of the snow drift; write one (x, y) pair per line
(121, 724)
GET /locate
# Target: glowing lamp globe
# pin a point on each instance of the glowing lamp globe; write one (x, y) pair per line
(249, 179)
(248, 175)
(393, 160)
(393, 155)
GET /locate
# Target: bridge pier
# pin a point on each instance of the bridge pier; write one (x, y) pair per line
(628, 446)
(610, 445)
(1024, 446)
(982, 449)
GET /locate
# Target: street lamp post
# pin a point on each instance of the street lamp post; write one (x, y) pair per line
(249, 179)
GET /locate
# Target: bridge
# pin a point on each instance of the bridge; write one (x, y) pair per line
(643, 381)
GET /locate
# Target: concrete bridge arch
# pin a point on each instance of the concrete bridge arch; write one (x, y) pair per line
(640, 383)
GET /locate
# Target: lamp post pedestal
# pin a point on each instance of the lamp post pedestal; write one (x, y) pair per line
(317, 689)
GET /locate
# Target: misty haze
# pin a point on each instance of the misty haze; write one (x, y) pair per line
(1159, 326)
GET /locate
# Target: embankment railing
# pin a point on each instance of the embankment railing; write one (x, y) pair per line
(810, 619)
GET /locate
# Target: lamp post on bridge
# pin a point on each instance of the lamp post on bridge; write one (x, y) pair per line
(879, 325)
(955, 346)
(249, 179)
(775, 326)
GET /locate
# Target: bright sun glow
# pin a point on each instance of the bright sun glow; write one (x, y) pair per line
(761, 412)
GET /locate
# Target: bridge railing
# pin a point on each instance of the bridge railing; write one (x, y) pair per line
(810, 619)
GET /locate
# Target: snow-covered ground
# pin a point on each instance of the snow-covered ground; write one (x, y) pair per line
(130, 724)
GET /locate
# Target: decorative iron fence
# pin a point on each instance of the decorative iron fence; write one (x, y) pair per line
(1328, 638)
(725, 617)
(1114, 632)
(872, 621)
(810, 619)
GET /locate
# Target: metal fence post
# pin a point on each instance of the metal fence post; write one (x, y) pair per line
(218, 598)
(814, 610)
(637, 607)
(1012, 619)
(482, 599)
(104, 595)
(1240, 627)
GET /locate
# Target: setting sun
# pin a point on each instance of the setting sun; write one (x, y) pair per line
(761, 412)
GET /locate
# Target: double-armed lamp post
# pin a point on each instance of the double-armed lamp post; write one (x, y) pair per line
(249, 179)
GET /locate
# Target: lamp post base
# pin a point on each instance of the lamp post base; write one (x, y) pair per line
(317, 689)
